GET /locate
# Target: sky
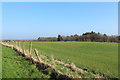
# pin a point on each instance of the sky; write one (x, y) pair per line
(30, 20)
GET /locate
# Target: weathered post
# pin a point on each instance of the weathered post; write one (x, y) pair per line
(19, 45)
(36, 53)
(30, 47)
(23, 48)
(16, 44)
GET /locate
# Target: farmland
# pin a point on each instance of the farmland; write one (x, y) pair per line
(15, 66)
(99, 57)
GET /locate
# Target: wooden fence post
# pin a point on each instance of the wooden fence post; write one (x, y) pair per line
(23, 48)
(36, 53)
(30, 47)
(19, 44)
(53, 60)
(16, 44)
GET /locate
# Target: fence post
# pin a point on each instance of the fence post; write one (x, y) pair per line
(30, 47)
(19, 45)
(23, 48)
(36, 53)
(16, 44)
(53, 60)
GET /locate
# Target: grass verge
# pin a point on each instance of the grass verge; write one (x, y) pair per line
(15, 66)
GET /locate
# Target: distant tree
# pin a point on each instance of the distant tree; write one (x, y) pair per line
(118, 39)
(75, 35)
(98, 32)
(104, 34)
(71, 35)
(88, 36)
(38, 38)
(59, 38)
(92, 32)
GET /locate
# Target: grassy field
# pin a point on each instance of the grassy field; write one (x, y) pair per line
(15, 66)
(100, 57)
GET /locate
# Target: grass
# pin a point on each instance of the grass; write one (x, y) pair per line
(0, 61)
(99, 57)
(15, 66)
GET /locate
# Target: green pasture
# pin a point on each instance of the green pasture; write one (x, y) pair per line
(94, 56)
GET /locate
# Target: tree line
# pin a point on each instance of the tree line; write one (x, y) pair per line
(85, 37)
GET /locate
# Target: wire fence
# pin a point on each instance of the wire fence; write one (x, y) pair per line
(50, 64)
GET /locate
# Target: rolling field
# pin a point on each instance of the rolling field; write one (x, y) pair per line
(100, 57)
(15, 66)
